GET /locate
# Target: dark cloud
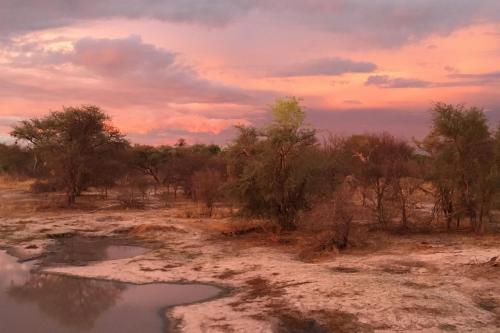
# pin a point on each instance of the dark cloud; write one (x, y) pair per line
(327, 66)
(456, 80)
(385, 81)
(132, 72)
(18, 16)
(381, 23)
(409, 123)
(389, 22)
(404, 123)
(152, 72)
(487, 78)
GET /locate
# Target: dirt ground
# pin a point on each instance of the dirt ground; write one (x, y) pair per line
(411, 283)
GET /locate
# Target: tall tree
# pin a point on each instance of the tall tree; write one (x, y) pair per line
(151, 161)
(379, 163)
(74, 145)
(273, 168)
(461, 151)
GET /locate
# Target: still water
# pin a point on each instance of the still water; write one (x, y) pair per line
(83, 250)
(32, 301)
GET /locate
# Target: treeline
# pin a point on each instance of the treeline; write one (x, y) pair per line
(280, 171)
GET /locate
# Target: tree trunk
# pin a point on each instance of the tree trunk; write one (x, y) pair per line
(404, 218)
(449, 219)
(71, 198)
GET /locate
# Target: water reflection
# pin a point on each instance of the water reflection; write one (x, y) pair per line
(81, 250)
(71, 301)
(43, 303)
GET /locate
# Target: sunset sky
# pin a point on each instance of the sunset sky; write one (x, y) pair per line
(165, 69)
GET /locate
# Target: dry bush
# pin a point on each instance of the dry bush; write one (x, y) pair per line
(333, 216)
(143, 229)
(206, 187)
(129, 201)
(238, 227)
(166, 198)
(131, 198)
(133, 191)
(222, 212)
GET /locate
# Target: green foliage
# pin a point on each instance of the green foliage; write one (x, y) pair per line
(287, 114)
(76, 146)
(151, 161)
(271, 170)
(380, 165)
(16, 160)
(174, 166)
(276, 171)
(463, 170)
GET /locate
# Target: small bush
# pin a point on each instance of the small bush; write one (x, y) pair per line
(130, 201)
(206, 187)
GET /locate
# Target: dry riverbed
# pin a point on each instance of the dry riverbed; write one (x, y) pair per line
(419, 283)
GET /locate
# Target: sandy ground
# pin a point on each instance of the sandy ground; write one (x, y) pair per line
(419, 283)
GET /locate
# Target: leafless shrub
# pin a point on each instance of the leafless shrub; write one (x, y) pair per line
(332, 217)
(130, 201)
(133, 191)
(206, 187)
(343, 208)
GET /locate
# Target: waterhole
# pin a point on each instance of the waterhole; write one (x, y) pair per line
(33, 301)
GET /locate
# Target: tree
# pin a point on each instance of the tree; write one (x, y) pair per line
(186, 159)
(207, 187)
(152, 161)
(405, 185)
(72, 144)
(460, 147)
(379, 164)
(17, 161)
(271, 170)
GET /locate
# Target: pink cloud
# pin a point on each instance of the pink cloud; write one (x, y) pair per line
(171, 121)
(116, 57)
(199, 124)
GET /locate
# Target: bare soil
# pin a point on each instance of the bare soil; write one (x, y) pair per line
(389, 283)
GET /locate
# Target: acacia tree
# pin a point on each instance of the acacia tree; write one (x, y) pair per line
(156, 163)
(185, 160)
(73, 144)
(271, 170)
(379, 164)
(464, 171)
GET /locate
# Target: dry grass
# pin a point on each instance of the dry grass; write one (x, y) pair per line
(259, 288)
(324, 321)
(9, 182)
(143, 229)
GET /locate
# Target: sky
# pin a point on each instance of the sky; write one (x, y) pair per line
(193, 69)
